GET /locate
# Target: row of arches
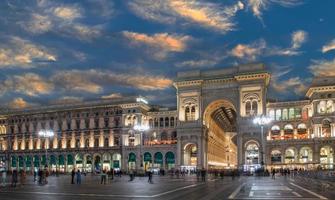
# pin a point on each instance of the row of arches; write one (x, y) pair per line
(303, 155)
(67, 162)
(152, 160)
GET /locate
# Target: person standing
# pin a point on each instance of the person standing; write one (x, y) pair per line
(103, 177)
(73, 173)
(35, 175)
(3, 177)
(14, 178)
(78, 174)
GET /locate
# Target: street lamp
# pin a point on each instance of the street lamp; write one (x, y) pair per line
(262, 121)
(46, 134)
(141, 129)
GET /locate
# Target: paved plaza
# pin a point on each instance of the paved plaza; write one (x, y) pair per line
(168, 188)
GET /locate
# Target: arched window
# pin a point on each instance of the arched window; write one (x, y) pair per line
(156, 122)
(78, 123)
(96, 123)
(322, 107)
(187, 113)
(68, 144)
(87, 142)
(167, 122)
(77, 143)
(272, 114)
(87, 123)
(275, 132)
(288, 131)
(285, 114)
(106, 144)
(96, 142)
(151, 123)
(131, 138)
(290, 155)
(326, 130)
(192, 113)
(164, 136)
(161, 122)
(278, 114)
(106, 121)
(172, 121)
(330, 106)
(302, 131)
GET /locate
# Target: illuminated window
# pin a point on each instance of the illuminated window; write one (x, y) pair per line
(278, 114)
(285, 114)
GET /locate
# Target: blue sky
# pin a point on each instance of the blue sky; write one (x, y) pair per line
(64, 51)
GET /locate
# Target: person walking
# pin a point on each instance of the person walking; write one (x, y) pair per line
(73, 173)
(22, 177)
(273, 174)
(203, 175)
(3, 177)
(78, 174)
(35, 175)
(150, 176)
(14, 178)
(40, 176)
(103, 177)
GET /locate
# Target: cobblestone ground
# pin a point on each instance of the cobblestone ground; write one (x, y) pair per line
(168, 188)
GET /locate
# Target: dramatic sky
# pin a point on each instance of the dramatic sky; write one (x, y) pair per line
(63, 51)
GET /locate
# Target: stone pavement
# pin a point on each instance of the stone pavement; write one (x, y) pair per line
(168, 188)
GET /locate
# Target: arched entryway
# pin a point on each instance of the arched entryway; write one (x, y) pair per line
(190, 156)
(219, 119)
(131, 161)
(61, 163)
(158, 160)
(28, 160)
(276, 156)
(106, 158)
(252, 156)
(117, 161)
(79, 161)
(70, 162)
(97, 163)
(327, 157)
(169, 160)
(147, 158)
(306, 155)
(290, 155)
(87, 163)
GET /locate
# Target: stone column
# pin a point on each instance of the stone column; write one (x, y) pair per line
(239, 150)
(179, 152)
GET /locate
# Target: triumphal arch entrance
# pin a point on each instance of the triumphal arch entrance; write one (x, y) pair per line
(215, 112)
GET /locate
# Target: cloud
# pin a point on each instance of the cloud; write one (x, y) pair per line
(285, 86)
(77, 81)
(197, 63)
(67, 100)
(295, 84)
(18, 103)
(298, 38)
(38, 24)
(23, 54)
(257, 6)
(29, 84)
(112, 96)
(67, 13)
(328, 47)
(93, 81)
(210, 15)
(60, 19)
(259, 48)
(323, 67)
(249, 52)
(163, 41)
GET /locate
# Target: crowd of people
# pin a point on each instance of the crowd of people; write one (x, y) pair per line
(41, 175)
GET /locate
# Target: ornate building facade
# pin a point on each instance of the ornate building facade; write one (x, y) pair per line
(212, 127)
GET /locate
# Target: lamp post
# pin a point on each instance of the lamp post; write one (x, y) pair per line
(46, 134)
(141, 129)
(262, 121)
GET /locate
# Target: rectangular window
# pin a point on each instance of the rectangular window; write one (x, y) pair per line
(285, 114)
(291, 113)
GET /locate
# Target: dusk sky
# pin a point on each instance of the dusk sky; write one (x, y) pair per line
(63, 51)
